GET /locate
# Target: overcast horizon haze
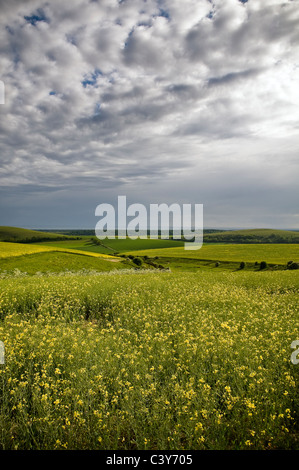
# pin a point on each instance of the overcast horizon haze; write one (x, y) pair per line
(164, 101)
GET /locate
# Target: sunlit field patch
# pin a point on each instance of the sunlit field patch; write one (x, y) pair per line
(149, 361)
(8, 250)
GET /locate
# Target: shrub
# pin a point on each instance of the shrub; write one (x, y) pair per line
(137, 261)
(263, 265)
(293, 266)
(242, 265)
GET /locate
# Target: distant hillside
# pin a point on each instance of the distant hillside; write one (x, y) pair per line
(23, 235)
(91, 232)
(253, 236)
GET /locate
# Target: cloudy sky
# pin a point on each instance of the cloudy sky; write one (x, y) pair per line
(186, 101)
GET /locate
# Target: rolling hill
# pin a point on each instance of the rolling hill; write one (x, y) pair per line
(23, 235)
(279, 254)
(9, 250)
(253, 236)
(32, 258)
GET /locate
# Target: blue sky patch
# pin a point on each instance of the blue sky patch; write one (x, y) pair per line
(35, 18)
(91, 78)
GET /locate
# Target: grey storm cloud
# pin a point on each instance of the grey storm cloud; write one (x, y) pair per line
(192, 100)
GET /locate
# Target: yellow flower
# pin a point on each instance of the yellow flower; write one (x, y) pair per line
(199, 427)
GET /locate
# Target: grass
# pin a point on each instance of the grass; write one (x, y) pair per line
(17, 234)
(117, 245)
(102, 356)
(261, 235)
(158, 361)
(82, 245)
(8, 250)
(55, 262)
(193, 265)
(272, 253)
(32, 258)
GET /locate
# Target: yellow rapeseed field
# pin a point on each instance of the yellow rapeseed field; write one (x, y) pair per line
(149, 361)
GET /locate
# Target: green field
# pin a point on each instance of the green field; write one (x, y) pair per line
(253, 236)
(8, 250)
(271, 253)
(56, 262)
(16, 234)
(111, 246)
(84, 244)
(228, 256)
(33, 258)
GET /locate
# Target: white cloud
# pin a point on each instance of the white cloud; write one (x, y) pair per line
(135, 91)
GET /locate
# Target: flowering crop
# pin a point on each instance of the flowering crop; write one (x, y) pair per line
(149, 361)
(8, 250)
